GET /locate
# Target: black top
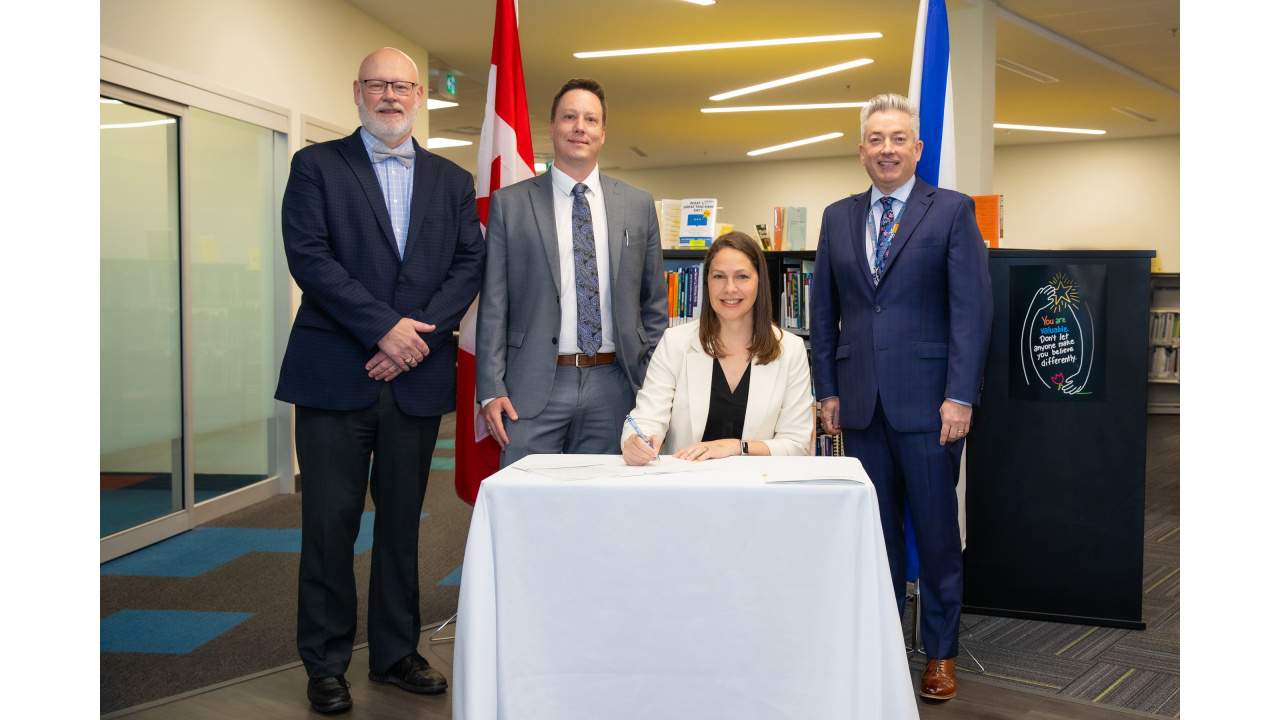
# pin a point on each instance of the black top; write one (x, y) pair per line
(727, 412)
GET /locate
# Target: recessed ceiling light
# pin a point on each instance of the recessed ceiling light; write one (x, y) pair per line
(759, 108)
(148, 123)
(434, 104)
(433, 143)
(1004, 126)
(797, 143)
(728, 45)
(793, 78)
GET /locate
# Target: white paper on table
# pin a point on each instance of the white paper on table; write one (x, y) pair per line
(592, 467)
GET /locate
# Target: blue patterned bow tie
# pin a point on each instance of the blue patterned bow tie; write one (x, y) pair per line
(404, 153)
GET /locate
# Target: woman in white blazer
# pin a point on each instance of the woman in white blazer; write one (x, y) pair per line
(732, 383)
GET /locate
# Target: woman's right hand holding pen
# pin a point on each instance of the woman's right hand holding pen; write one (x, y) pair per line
(635, 451)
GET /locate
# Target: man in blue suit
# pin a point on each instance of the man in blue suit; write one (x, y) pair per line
(384, 241)
(901, 322)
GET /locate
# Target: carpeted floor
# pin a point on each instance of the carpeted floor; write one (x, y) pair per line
(246, 563)
(1136, 670)
(219, 602)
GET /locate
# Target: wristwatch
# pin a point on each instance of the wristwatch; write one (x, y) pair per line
(744, 448)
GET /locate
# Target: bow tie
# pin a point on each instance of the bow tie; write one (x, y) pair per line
(404, 153)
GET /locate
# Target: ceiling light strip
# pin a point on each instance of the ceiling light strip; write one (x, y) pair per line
(148, 123)
(434, 104)
(728, 45)
(762, 108)
(797, 143)
(793, 78)
(1004, 126)
(433, 143)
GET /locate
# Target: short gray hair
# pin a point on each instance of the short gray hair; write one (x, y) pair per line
(891, 101)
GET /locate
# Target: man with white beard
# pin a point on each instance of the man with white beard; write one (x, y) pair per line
(384, 241)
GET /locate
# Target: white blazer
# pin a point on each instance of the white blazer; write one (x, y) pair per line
(674, 401)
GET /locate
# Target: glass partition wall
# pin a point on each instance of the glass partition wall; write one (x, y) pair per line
(190, 300)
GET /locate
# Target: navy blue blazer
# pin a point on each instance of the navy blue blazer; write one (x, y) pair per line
(342, 253)
(919, 337)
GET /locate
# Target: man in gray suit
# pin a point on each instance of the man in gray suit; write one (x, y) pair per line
(574, 297)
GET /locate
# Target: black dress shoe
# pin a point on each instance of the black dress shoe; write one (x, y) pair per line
(413, 673)
(329, 694)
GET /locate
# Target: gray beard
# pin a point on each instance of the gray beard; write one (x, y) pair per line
(378, 127)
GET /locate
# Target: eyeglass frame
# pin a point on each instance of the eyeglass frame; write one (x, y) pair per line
(388, 84)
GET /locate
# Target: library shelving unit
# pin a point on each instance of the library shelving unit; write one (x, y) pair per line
(1164, 350)
(777, 262)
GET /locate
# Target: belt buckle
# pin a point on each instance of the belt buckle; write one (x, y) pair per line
(577, 360)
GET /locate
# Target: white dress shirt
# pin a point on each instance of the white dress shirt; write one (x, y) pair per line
(562, 196)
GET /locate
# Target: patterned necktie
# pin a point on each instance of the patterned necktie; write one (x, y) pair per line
(404, 153)
(587, 282)
(886, 237)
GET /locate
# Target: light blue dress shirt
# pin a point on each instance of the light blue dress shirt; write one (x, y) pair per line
(396, 181)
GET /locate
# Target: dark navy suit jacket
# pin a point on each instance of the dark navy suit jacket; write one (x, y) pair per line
(919, 337)
(342, 253)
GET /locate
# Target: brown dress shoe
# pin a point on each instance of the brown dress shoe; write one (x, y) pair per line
(939, 681)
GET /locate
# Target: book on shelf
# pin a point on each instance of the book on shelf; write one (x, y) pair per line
(779, 238)
(762, 234)
(990, 212)
(697, 222)
(1165, 327)
(684, 286)
(794, 296)
(797, 226)
(669, 222)
(1163, 363)
(828, 445)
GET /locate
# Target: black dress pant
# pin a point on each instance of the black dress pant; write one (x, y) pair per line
(334, 449)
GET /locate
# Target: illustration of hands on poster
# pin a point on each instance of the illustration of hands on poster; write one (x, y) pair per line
(1059, 323)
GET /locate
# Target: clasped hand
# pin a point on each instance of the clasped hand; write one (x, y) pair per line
(400, 350)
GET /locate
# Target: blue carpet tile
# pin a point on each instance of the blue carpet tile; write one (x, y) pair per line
(174, 632)
(194, 553)
(453, 578)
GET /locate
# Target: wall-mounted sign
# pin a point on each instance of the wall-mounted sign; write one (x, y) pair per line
(1058, 325)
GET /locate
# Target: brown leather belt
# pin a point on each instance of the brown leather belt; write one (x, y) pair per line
(586, 360)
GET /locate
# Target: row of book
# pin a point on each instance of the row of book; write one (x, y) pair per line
(682, 294)
(825, 445)
(1163, 363)
(1164, 328)
(795, 297)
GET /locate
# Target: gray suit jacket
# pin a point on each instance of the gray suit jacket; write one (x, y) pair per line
(519, 316)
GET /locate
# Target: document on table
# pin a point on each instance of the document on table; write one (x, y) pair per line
(591, 467)
(818, 471)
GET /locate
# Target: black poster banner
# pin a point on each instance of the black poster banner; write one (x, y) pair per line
(1058, 316)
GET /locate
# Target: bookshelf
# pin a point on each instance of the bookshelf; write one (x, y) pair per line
(1164, 345)
(777, 262)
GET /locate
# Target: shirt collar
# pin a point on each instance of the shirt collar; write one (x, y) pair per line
(901, 194)
(369, 141)
(564, 183)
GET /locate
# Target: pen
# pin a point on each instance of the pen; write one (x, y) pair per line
(636, 427)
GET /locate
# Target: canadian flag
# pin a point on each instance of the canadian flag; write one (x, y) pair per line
(505, 157)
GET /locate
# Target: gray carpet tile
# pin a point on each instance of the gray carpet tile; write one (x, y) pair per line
(1127, 686)
(1144, 653)
(1160, 579)
(1074, 642)
(1023, 668)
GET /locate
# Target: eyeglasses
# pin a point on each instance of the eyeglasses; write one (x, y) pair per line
(377, 87)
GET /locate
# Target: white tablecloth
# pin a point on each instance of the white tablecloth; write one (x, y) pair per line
(719, 593)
